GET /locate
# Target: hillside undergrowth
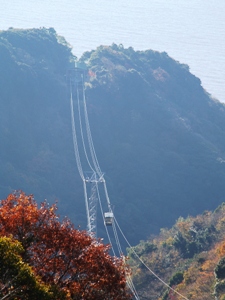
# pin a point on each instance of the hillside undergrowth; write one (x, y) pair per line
(190, 257)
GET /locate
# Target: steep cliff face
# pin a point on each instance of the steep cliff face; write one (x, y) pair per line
(34, 113)
(163, 136)
(159, 137)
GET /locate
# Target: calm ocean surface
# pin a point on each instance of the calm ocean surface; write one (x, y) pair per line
(192, 32)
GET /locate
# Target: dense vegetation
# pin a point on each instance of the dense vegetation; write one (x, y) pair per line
(163, 137)
(159, 137)
(43, 258)
(190, 257)
(34, 117)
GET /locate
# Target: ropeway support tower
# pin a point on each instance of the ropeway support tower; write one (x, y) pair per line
(94, 178)
(92, 203)
(84, 149)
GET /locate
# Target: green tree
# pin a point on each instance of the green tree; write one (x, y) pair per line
(17, 279)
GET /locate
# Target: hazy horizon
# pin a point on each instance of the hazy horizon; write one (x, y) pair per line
(191, 32)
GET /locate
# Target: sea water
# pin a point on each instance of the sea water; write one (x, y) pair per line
(192, 32)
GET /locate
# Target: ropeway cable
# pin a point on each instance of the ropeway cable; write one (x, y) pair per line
(132, 287)
(93, 153)
(86, 205)
(117, 240)
(94, 157)
(153, 273)
(130, 284)
(77, 157)
(90, 140)
(96, 164)
(75, 144)
(106, 229)
(92, 149)
(98, 171)
(91, 146)
(128, 278)
(107, 195)
(81, 129)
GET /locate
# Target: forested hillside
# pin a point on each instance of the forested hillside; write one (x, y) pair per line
(159, 137)
(190, 257)
(36, 147)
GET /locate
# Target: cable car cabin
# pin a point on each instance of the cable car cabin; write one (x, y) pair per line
(78, 73)
(108, 218)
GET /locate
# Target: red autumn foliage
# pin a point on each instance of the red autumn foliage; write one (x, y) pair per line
(77, 264)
